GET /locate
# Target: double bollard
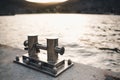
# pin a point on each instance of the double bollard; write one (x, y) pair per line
(53, 65)
(52, 48)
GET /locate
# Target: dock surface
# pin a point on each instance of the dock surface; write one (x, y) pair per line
(12, 71)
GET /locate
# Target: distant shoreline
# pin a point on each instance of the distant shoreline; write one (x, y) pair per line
(13, 7)
(13, 14)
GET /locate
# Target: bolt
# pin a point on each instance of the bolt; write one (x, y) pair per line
(39, 64)
(27, 61)
(17, 58)
(54, 70)
(69, 62)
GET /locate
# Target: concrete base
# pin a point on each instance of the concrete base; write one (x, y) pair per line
(12, 71)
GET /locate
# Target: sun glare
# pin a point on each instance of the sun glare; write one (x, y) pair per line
(47, 1)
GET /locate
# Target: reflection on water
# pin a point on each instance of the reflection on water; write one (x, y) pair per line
(82, 29)
(81, 34)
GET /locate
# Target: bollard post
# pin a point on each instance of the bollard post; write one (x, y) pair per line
(52, 56)
(32, 40)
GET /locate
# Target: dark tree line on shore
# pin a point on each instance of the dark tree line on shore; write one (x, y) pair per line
(71, 6)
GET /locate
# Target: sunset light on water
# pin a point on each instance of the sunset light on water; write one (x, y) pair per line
(47, 1)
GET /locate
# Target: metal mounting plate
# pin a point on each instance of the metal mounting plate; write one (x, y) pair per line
(60, 66)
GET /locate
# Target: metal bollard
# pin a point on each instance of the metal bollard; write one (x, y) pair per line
(52, 48)
(32, 51)
(34, 59)
(52, 55)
